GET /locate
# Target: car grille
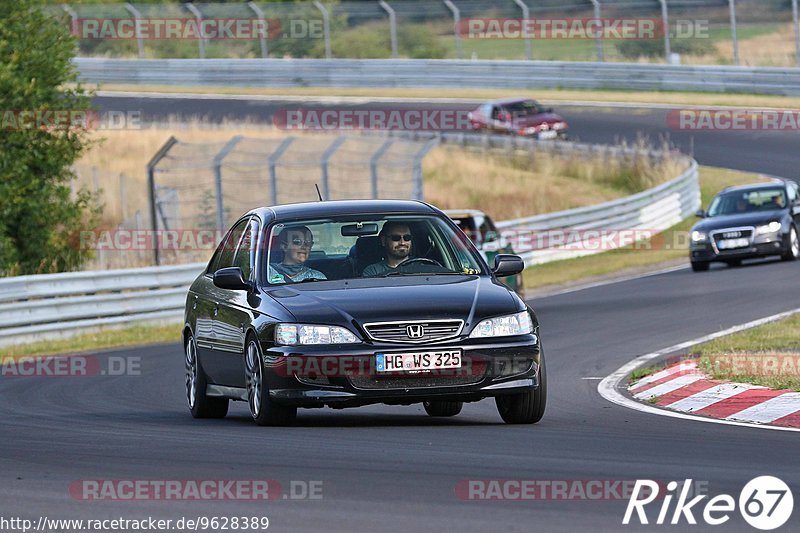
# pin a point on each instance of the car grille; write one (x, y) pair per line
(440, 378)
(414, 332)
(732, 233)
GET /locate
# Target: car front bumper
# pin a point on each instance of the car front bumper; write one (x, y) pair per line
(763, 246)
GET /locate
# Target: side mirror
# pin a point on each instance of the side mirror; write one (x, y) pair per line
(231, 278)
(700, 213)
(507, 265)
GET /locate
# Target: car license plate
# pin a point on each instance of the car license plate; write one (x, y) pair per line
(727, 244)
(416, 361)
(550, 134)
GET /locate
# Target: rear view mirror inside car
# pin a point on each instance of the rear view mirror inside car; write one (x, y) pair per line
(359, 229)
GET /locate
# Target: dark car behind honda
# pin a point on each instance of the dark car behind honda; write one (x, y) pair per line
(746, 222)
(438, 329)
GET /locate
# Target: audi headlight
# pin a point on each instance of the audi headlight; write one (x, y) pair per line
(772, 227)
(503, 326)
(294, 334)
(699, 236)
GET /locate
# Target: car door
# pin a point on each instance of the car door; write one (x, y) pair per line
(213, 356)
(235, 311)
(794, 202)
(500, 121)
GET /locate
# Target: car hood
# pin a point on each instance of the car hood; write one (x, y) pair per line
(732, 221)
(535, 120)
(386, 299)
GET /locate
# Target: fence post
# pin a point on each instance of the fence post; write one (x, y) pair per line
(123, 195)
(373, 165)
(734, 36)
(229, 146)
(326, 156)
(137, 26)
(272, 162)
(199, 16)
(263, 39)
(665, 22)
(151, 183)
(392, 26)
(796, 32)
(598, 39)
(326, 23)
(416, 193)
(526, 14)
(456, 26)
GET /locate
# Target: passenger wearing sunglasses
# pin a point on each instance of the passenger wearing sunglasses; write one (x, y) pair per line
(296, 243)
(396, 242)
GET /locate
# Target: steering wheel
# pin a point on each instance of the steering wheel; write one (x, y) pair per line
(404, 266)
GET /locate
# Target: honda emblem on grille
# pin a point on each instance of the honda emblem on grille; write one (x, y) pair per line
(415, 331)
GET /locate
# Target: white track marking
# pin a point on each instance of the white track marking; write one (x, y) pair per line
(680, 367)
(770, 410)
(669, 386)
(609, 388)
(715, 394)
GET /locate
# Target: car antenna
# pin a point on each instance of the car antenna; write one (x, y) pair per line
(318, 193)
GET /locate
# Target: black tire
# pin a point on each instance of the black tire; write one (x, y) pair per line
(526, 407)
(200, 405)
(699, 266)
(264, 411)
(792, 246)
(442, 408)
(734, 263)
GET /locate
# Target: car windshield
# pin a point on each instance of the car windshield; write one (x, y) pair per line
(367, 246)
(747, 201)
(524, 108)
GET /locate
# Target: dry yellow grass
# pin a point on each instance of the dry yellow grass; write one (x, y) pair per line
(775, 49)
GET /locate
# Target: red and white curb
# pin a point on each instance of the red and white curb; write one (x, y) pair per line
(683, 387)
(731, 403)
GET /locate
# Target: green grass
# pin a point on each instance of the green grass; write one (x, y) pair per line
(640, 373)
(748, 356)
(107, 338)
(669, 246)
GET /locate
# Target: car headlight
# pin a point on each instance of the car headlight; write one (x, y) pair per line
(559, 126)
(293, 334)
(699, 236)
(772, 227)
(503, 326)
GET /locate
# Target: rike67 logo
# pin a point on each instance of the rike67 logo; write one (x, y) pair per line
(765, 503)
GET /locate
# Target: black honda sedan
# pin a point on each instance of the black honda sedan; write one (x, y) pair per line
(748, 221)
(349, 303)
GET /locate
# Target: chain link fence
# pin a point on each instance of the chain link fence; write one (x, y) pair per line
(727, 32)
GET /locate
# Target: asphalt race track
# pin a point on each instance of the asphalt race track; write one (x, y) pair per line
(395, 469)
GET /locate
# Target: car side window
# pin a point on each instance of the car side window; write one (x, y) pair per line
(495, 112)
(224, 255)
(488, 230)
(245, 252)
(792, 190)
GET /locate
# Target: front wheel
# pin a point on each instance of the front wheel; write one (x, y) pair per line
(699, 266)
(526, 407)
(200, 404)
(264, 411)
(442, 408)
(793, 250)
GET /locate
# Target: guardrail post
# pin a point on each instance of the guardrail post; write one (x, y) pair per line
(373, 165)
(326, 156)
(151, 183)
(416, 192)
(199, 16)
(456, 26)
(326, 24)
(229, 146)
(260, 14)
(137, 15)
(734, 36)
(272, 161)
(665, 22)
(796, 32)
(598, 39)
(123, 195)
(392, 26)
(526, 14)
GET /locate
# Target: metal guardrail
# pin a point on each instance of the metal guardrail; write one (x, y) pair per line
(59, 305)
(430, 73)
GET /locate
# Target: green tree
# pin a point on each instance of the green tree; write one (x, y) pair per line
(40, 219)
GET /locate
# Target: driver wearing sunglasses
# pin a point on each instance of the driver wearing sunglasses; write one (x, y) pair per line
(396, 242)
(296, 243)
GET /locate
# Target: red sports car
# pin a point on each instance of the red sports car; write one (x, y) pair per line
(519, 116)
